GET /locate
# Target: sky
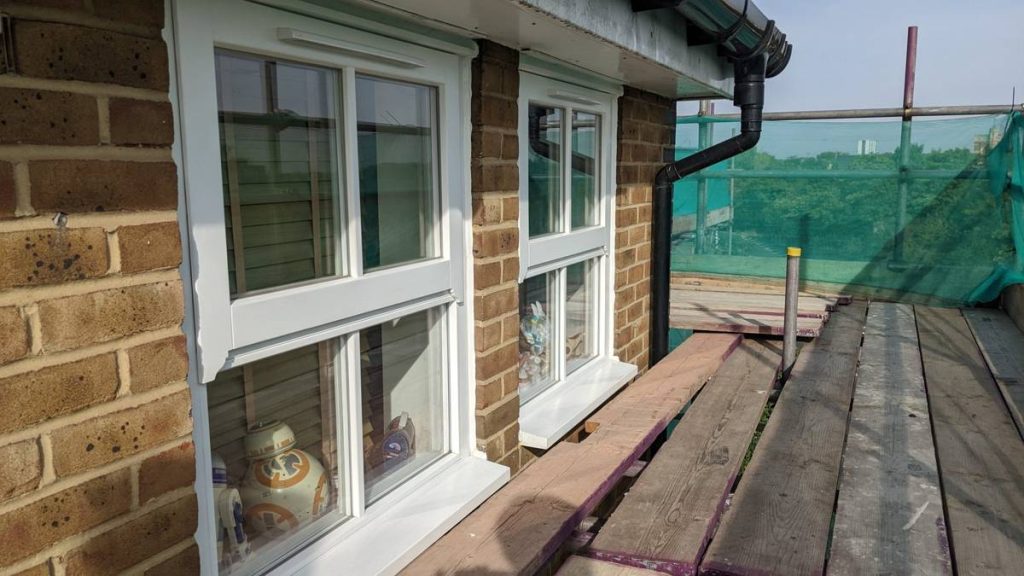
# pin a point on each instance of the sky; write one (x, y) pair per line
(851, 53)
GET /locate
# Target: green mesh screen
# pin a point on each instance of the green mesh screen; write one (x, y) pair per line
(941, 222)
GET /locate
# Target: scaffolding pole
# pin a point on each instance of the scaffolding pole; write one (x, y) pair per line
(905, 144)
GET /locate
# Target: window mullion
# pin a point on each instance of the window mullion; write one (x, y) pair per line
(566, 154)
(561, 310)
(353, 433)
(350, 161)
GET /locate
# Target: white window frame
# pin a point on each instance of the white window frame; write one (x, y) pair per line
(226, 333)
(552, 412)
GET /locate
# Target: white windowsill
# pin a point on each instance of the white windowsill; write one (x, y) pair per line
(387, 542)
(556, 411)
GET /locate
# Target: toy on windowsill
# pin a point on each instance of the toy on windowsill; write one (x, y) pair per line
(397, 446)
(533, 360)
(232, 543)
(284, 487)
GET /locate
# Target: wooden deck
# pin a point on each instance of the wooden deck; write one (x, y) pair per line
(719, 309)
(894, 448)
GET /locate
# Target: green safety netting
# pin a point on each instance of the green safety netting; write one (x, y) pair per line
(836, 188)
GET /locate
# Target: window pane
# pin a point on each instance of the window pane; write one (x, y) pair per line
(586, 144)
(397, 170)
(536, 334)
(278, 127)
(544, 191)
(403, 378)
(580, 310)
(275, 453)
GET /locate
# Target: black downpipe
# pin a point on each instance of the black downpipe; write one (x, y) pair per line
(748, 94)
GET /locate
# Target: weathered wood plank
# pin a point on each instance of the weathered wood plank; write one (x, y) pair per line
(519, 528)
(778, 522)
(706, 299)
(580, 566)
(754, 284)
(666, 519)
(980, 453)
(741, 323)
(1002, 345)
(889, 517)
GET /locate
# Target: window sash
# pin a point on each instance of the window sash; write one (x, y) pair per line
(550, 250)
(227, 326)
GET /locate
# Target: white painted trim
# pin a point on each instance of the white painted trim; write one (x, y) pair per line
(553, 413)
(384, 543)
(541, 64)
(300, 37)
(381, 24)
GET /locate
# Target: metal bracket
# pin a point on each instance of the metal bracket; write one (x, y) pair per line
(6, 45)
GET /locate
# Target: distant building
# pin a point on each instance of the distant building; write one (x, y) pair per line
(865, 147)
(985, 142)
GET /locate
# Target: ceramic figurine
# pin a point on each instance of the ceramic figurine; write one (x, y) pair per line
(284, 487)
(533, 360)
(232, 543)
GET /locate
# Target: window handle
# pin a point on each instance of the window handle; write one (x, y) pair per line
(574, 98)
(294, 36)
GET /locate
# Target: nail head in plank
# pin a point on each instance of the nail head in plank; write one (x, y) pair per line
(889, 517)
(778, 521)
(668, 516)
(980, 453)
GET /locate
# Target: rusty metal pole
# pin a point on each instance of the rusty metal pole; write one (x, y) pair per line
(905, 143)
(789, 320)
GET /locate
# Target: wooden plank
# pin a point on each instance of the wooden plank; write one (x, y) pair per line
(741, 323)
(580, 566)
(752, 284)
(717, 300)
(889, 517)
(778, 522)
(667, 518)
(1002, 345)
(519, 528)
(980, 454)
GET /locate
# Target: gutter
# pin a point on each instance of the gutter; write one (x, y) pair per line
(758, 50)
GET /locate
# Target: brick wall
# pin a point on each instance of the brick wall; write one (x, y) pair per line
(646, 128)
(495, 192)
(96, 459)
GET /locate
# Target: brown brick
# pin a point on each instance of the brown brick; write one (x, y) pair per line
(28, 399)
(175, 468)
(489, 393)
(497, 361)
(45, 117)
(495, 242)
(107, 438)
(36, 526)
(492, 420)
(502, 177)
(52, 256)
(140, 12)
(7, 200)
(488, 336)
(15, 343)
(487, 209)
(510, 269)
(497, 304)
(76, 321)
(499, 111)
(486, 144)
(141, 122)
(512, 460)
(131, 543)
(184, 563)
(37, 570)
(158, 363)
(493, 447)
(67, 52)
(486, 275)
(20, 468)
(98, 186)
(149, 247)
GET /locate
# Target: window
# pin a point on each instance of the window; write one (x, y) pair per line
(566, 200)
(325, 185)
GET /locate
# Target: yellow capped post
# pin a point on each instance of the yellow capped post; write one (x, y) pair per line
(790, 315)
(794, 252)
